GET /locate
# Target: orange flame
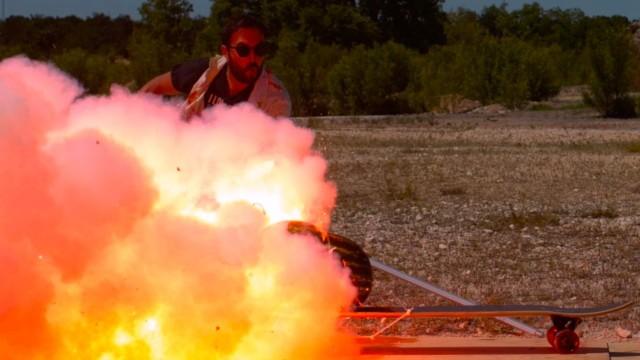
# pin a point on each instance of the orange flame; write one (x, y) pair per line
(127, 234)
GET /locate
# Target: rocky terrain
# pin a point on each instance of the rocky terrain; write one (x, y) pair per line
(539, 207)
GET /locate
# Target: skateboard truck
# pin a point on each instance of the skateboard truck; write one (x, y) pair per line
(562, 335)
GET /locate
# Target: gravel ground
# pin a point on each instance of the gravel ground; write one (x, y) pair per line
(524, 207)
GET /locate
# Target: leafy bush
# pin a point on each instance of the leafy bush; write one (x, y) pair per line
(165, 37)
(542, 72)
(614, 60)
(150, 56)
(506, 71)
(40, 37)
(304, 74)
(9, 51)
(439, 73)
(95, 72)
(372, 81)
(572, 67)
(498, 73)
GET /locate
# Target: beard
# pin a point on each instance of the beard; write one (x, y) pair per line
(248, 75)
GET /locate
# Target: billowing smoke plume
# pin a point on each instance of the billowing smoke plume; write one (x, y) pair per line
(126, 233)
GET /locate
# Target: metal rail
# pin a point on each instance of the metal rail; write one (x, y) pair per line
(448, 295)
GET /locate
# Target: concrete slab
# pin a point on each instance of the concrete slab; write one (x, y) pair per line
(475, 348)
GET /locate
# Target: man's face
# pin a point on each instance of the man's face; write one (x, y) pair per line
(245, 65)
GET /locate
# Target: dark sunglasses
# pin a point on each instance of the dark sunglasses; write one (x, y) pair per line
(244, 50)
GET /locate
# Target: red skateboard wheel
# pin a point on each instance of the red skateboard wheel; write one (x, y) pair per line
(566, 341)
(551, 335)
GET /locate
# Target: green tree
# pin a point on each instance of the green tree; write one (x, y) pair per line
(166, 36)
(43, 37)
(338, 24)
(372, 81)
(16, 32)
(542, 71)
(169, 21)
(463, 26)
(568, 28)
(95, 72)
(325, 22)
(507, 71)
(305, 75)
(105, 35)
(531, 23)
(497, 20)
(614, 61)
(417, 24)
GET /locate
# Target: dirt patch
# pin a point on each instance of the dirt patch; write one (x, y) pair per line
(524, 207)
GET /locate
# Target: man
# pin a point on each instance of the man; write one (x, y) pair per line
(236, 75)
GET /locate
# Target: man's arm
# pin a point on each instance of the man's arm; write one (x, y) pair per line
(160, 85)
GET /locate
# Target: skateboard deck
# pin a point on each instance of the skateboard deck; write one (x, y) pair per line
(561, 336)
(477, 311)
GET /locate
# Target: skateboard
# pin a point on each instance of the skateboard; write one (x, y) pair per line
(561, 336)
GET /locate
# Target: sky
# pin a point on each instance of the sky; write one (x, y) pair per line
(628, 8)
(83, 8)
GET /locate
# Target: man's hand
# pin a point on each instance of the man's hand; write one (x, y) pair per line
(160, 85)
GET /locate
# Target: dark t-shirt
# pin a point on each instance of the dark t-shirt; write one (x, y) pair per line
(184, 75)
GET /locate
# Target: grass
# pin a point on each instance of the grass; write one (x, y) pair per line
(574, 106)
(395, 190)
(633, 148)
(548, 107)
(315, 123)
(604, 147)
(541, 107)
(518, 220)
(406, 143)
(453, 191)
(397, 182)
(601, 213)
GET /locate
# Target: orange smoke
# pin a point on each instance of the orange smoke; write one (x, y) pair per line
(128, 234)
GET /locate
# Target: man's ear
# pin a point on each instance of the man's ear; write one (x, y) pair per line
(224, 51)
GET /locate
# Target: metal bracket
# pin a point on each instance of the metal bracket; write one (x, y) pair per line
(448, 295)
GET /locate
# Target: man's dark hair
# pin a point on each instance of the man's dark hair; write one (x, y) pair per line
(244, 21)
